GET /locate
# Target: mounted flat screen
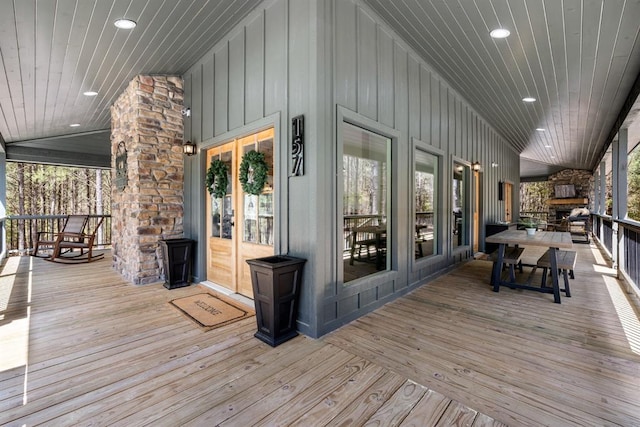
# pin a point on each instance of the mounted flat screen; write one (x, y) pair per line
(565, 191)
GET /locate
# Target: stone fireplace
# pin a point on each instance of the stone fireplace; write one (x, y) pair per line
(147, 200)
(582, 181)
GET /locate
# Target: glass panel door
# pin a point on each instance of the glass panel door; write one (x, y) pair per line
(255, 212)
(220, 224)
(240, 226)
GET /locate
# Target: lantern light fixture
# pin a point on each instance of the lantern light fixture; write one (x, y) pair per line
(189, 148)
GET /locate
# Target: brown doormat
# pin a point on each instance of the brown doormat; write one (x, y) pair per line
(211, 311)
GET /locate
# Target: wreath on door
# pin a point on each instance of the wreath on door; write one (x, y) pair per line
(217, 179)
(253, 172)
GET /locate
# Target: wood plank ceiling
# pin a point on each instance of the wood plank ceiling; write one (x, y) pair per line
(578, 58)
(52, 51)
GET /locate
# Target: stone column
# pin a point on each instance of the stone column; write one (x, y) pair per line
(147, 118)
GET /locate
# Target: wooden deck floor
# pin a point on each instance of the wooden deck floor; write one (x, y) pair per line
(79, 346)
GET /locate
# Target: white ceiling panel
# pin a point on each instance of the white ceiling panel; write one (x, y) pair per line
(51, 51)
(578, 58)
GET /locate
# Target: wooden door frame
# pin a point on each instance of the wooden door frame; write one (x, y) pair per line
(230, 244)
(281, 166)
(249, 250)
(510, 197)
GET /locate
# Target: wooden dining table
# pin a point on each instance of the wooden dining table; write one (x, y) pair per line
(554, 240)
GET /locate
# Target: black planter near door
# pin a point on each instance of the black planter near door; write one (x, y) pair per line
(276, 287)
(176, 260)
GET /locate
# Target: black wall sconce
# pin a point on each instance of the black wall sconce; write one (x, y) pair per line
(189, 148)
(476, 166)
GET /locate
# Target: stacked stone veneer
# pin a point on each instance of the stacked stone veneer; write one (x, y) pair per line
(582, 180)
(148, 118)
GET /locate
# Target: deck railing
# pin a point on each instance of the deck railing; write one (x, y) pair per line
(607, 234)
(621, 240)
(21, 230)
(629, 264)
(351, 222)
(631, 242)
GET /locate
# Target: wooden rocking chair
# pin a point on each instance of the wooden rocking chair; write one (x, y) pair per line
(67, 243)
(72, 229)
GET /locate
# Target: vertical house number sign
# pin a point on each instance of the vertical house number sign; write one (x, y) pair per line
(297, 145)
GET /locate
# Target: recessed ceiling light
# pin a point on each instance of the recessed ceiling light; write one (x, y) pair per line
(540, 129)
(125, 24)
(499, 33)
(90, 93)
(547, 146)
(74, 125)
(529, 99)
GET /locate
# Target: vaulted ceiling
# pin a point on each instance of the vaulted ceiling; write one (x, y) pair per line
(578, 58)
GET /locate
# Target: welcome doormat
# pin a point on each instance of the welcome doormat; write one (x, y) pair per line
(211, 311)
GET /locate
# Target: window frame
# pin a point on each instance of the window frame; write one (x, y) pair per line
(467, 212)
(419, 263)
(391, 272)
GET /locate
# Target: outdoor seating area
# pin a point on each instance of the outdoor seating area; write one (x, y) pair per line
(510, 358)
(566, 263)
(61, 247)
(368, 244)
(512, 241)
(577, 222)
(47, 242)
(331, 212)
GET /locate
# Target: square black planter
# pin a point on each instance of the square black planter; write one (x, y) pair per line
(276, 288)
(176, 260)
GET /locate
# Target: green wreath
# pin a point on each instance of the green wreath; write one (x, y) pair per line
(217, 179)
(253, 172)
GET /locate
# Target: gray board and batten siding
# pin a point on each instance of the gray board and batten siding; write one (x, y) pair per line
(332, 60)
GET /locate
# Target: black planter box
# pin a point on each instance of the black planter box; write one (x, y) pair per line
(276, 288)
(490, 230)
(176, 260)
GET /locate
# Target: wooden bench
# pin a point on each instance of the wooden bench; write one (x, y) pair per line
(566, 264)
(512, 257)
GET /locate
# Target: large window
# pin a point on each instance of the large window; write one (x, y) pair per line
(425, 203)
(365, 203)
(460, 221)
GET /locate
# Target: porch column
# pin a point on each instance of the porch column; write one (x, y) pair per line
(147, 160)
(3, 198)
(620, 208)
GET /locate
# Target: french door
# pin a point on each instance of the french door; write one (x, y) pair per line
(239, 225)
